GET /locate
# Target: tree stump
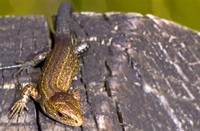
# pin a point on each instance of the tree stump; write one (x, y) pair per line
(140, 73)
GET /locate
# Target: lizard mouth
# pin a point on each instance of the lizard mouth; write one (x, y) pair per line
(69, 118)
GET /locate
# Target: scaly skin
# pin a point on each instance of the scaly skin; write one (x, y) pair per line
(53, 93)
(59, 70)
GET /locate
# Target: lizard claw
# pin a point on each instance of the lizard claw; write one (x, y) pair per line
(17, 108)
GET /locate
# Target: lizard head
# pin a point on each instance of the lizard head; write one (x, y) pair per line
(64, 107)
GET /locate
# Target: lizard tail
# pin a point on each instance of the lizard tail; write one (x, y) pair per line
(63, 19)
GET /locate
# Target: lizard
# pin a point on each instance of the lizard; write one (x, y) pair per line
(53, 92)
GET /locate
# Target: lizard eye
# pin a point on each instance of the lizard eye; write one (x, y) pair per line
(60, 114)
(76, 121)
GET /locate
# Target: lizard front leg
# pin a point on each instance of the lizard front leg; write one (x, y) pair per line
(27, 92)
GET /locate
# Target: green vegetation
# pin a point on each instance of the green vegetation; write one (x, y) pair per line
(185, 12)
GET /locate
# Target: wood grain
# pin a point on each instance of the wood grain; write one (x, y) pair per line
(140, 73)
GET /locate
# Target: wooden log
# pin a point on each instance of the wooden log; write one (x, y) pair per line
(21, 38)
(140, 73)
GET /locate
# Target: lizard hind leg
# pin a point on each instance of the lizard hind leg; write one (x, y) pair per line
(81, 48)
(25, 66)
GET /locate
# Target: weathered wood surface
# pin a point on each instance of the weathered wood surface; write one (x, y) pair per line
(140, 73)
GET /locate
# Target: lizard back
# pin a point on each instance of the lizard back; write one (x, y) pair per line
(62, 63)
(59, 69)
